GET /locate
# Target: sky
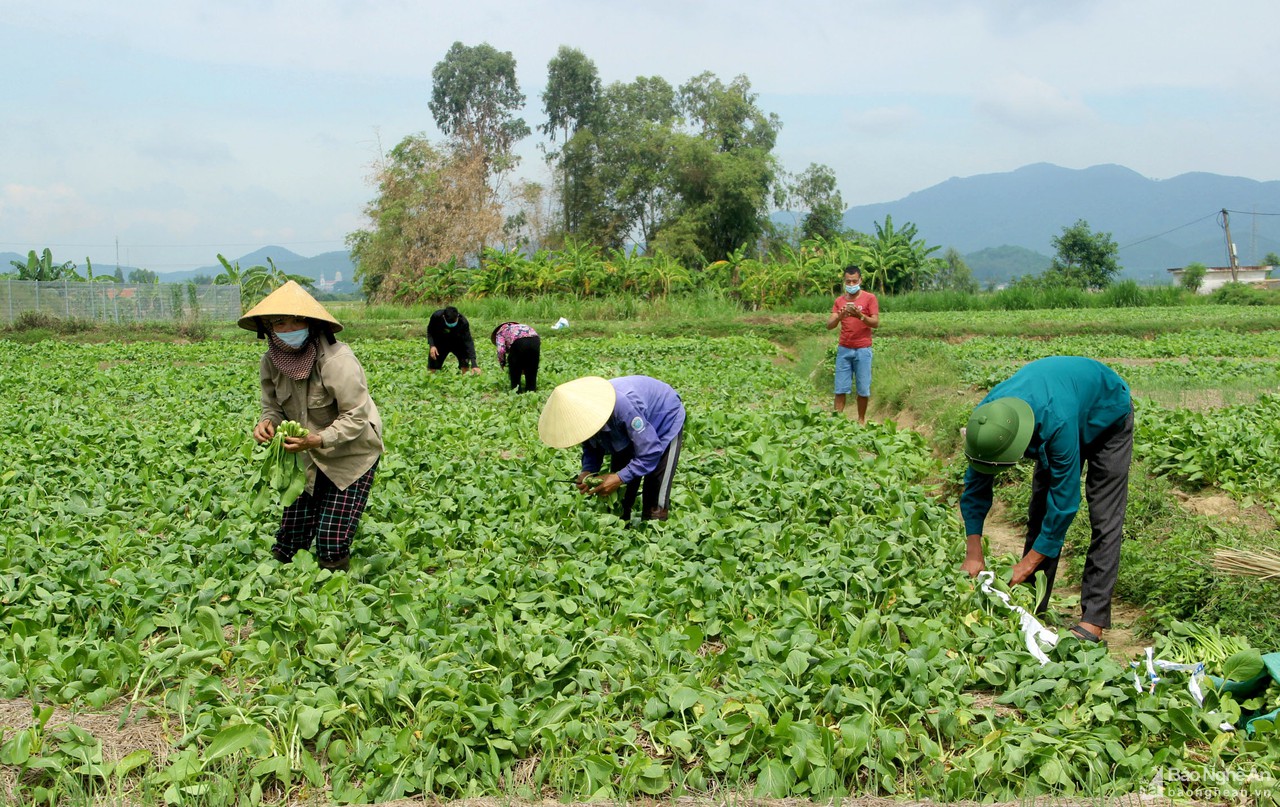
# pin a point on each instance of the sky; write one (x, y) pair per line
(161, 133)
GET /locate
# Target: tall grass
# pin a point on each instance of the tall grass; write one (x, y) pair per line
(1125, 294)
(549, 309)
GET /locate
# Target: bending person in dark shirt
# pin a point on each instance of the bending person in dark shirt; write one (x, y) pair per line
(449, 332)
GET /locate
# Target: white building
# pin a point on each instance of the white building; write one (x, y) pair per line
(327, 285)
(1215, 277)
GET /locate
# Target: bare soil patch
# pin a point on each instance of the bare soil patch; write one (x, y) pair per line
(1003, 536)
(777, 319)
(1197, 400)
(906, 419)
(1222, 506)
(120, 733)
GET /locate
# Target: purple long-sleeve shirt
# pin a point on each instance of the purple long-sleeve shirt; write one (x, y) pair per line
(647, 415)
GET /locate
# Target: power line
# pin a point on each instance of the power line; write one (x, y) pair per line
(1166, 232)
(1252, 213)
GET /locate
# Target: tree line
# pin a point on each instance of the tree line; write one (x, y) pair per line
(684, 172)
(658, 186)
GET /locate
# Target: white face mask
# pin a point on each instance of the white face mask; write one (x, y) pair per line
(295, 339)
(853, 289)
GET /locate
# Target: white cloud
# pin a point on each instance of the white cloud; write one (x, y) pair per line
(1031, 105)
(884, 120)
(56, 206)
(198, 123)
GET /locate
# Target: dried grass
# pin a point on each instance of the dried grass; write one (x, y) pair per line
(1245, 562)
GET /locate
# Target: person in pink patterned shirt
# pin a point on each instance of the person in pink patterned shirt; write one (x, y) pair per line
(519, 350)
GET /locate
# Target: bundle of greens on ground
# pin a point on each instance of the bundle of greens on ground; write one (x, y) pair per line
(282, 471)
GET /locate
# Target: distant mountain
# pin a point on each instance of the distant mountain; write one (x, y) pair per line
(1158, 224)
(995, 265)
(326, 266)
(1003, 224)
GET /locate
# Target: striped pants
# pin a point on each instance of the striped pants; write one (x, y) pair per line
(657, 483)
(327, 516)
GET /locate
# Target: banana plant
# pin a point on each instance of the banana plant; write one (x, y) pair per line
(230, 274)
(41, 267)
(259, 281)
(580, 269)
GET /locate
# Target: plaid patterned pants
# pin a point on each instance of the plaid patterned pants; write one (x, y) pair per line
(327, 516)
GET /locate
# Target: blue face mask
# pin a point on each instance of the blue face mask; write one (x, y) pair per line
(295, 339)
(453, 324)
(852, 289)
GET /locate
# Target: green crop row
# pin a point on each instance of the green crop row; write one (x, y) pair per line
(799, 628)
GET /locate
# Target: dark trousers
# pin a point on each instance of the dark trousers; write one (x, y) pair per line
(443, 351)
(657, 483)
(327, 516)
(1106, 489)
(522, 360)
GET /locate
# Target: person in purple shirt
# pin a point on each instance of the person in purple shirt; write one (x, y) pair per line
(637, 420)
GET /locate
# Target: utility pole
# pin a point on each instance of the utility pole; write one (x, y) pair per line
(1253, 239)
(1231, 248)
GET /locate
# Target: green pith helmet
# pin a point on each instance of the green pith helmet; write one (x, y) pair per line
(998, 434)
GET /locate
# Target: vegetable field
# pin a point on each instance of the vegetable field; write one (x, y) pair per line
(799, 628)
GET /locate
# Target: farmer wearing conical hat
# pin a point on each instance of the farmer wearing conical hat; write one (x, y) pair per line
(637, 420)
(309, 377)
(1064, 412)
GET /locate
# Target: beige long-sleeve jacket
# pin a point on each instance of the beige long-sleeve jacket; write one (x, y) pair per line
(334, 401)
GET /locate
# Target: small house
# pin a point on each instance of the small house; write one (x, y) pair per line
(1215, 277)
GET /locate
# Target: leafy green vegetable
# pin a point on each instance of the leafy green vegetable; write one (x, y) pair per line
(282, 471)
(1243, 666)
(798, 629)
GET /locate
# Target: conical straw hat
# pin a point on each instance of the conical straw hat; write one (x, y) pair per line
(290, 300)
(576, 410)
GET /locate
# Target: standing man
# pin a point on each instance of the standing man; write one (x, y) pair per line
(1062, 412)
(637, 420)
(449, 332)
(857, 312)
(520, 351)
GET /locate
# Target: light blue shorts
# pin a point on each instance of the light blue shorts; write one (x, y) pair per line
(853, 363)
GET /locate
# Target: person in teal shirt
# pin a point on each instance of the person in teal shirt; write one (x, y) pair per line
(1065, 413)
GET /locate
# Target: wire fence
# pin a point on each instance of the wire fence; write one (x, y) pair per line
(118, 302)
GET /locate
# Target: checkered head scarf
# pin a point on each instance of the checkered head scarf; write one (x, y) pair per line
(293, 362)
